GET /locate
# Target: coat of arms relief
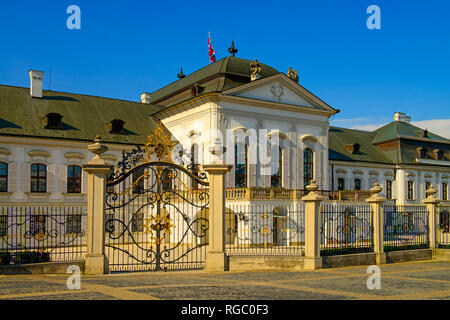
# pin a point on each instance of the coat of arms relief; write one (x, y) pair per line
(277, 90)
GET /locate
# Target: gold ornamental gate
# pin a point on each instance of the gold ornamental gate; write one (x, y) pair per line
(154, 208)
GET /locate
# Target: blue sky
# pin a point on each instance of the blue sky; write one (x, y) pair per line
(127, 47)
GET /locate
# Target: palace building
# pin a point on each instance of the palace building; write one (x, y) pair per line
(44, 137)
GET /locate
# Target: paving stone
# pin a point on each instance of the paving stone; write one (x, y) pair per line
(28, 286)
(242, 286)
(234, 293)
(71, 296)
(389, 286)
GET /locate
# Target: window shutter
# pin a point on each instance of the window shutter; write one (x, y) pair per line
(63, 178)
(12, 177)
(84, 182)
(51, 178)
(317, 167)
(287, 168)
(26, 177)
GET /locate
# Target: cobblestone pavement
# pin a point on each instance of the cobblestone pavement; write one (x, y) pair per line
(415, 280)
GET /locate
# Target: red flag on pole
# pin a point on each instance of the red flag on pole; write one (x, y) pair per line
(211, 52)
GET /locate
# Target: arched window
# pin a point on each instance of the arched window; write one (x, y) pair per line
(308, 167)
(3, 177)
(240, 165)
(194, 164)
(277, 168)
(38, 178)
(73, 179)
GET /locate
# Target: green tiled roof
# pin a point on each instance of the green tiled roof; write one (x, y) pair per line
(340, 137)
(410, 139)
(83, 116)
(398, 129)
(224, 74)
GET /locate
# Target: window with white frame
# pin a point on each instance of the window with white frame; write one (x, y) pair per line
(410, 190)
(3, 177)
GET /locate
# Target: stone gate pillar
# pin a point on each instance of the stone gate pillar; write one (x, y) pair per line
(433, 211)
(312, 227)
(376, 203)
(215, 256)
(97, 170)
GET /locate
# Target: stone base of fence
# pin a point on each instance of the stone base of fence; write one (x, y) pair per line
(441, 254)
(408, 255)
(41, 268)
(96, 264)
(276, 263)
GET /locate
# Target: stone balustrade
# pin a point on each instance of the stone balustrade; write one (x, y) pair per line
(261, 193)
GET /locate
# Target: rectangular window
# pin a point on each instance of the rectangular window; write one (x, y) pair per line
(388, 189)
(341, 184)
(3, 225)
(444, 191)
(410, 190)
(38, 178)
(73, 224)
(444, 221)
(137, 225)
(357, 184)
(74, 179)
(37, 224)
(138, 181)
(3, 177)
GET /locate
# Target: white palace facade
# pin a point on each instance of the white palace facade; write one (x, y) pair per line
(44, 137)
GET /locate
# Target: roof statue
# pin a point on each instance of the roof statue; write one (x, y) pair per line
(255, 68)
(293, 74)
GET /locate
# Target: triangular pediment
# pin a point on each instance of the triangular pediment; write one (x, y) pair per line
(279, 89)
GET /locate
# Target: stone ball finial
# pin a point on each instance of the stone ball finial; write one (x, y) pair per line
(376, 188)
(97, 148)
(312, 186)
(431, 191)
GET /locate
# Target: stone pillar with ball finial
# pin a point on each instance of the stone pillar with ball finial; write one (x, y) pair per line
(312, 227)
(433, 210)
(97, 169)
(376, 203)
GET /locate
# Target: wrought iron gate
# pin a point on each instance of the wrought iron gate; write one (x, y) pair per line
(156, 211)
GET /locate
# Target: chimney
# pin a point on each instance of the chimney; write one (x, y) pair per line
(145, 98)
(402, 117)
(36, 83)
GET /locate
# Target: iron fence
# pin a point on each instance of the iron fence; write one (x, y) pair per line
(443, 232)
(265, 230)
(31, 234)
(405, 227)
(346, 228)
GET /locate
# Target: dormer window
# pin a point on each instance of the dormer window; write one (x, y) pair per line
(196, 90)
(53, 121)
(423, 153)
(116, 126)
(356, 148)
